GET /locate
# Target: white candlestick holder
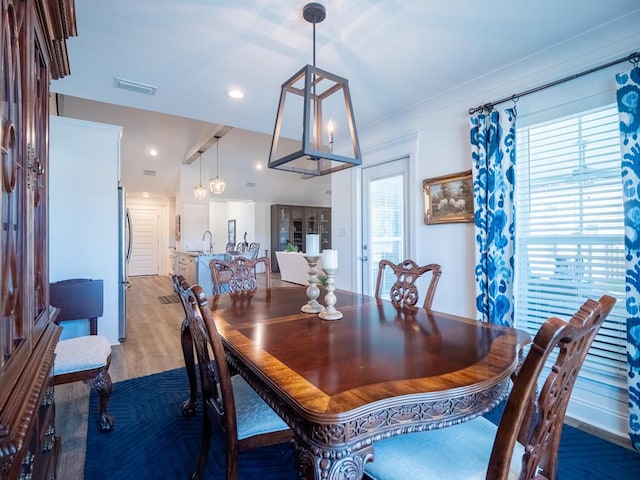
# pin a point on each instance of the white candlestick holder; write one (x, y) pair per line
(313, 292)
(330, 312)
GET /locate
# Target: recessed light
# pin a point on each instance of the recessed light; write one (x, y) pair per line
(258, 166)
(151, 151)
(235, 93)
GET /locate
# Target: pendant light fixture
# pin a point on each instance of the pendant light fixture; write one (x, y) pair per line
(200, 191)
(217, 184)
(322, 102)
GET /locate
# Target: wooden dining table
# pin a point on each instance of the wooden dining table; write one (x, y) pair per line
(377, 372)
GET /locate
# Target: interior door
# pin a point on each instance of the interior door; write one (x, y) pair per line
(145, 229)
(384, 217)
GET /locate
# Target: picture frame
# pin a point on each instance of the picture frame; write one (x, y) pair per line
(231, 231)
(178, 228)
(448, 198)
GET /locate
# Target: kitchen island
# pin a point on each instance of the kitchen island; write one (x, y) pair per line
(194, 267)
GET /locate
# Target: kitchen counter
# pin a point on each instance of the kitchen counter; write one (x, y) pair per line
(194, 267)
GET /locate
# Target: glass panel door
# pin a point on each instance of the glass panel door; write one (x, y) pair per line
(385, 223)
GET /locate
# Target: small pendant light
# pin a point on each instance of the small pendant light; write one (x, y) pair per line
(216, 185)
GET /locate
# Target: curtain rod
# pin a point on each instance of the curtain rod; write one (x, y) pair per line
(633, 58)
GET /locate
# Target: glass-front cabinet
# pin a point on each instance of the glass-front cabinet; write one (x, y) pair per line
(282, 222)
(291, 223)
(324, 227)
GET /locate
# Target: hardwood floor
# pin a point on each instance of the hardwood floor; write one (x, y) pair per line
(152, 345)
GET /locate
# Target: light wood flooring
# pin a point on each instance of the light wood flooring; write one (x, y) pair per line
(152, 345)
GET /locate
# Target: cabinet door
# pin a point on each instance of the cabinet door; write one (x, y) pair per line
(283, 227)
(324, 227)
(312, 220)
(195, 221)
(298, 227)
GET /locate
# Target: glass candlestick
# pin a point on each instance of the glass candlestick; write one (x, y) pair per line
(330, 312)
(313, 292)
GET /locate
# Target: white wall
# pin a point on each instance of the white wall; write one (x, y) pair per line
(435, 135)
(83, 214)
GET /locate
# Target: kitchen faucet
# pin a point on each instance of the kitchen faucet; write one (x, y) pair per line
(204, 235)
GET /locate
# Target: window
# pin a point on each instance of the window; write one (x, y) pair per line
(569, 229)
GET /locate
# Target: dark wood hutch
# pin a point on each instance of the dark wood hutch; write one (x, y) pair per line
(34, 52)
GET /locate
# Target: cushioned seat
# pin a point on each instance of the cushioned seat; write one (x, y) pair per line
(473, 440)
(253, 416)
(81, 353)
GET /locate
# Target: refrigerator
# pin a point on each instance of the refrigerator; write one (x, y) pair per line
(124, 254)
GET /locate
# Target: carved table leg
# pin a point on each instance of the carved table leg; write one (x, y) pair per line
(190, 405)
(325, 464)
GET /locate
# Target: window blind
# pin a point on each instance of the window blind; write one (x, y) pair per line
(569, 229)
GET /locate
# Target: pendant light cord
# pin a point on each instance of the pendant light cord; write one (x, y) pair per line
(218, 158)
(314, 44)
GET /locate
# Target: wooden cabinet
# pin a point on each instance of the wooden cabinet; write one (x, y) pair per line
(291, 223)
(186, 266)
(195, 220)
(33, 52)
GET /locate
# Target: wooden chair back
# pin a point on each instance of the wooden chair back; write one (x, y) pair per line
(535, 420)
(404, 291)
(219, 405)
(253, 250)
(238, 275)
(215, 379)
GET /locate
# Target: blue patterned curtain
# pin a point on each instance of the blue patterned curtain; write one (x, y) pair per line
(493, 141)
(629, 110)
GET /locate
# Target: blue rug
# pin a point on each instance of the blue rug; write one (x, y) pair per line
(152, 440)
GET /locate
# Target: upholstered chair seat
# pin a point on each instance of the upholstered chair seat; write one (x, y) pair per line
(253, 415)
(467, 446)
(81, 353)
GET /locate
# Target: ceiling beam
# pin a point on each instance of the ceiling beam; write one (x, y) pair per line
(204, 143)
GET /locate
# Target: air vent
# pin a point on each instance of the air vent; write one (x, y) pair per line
(135, 86)
(149, 173)
(250, 184)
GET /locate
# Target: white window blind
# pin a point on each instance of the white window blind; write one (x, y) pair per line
(387, 227)
(569, 229)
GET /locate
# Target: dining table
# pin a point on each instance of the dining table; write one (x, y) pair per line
(377, 372)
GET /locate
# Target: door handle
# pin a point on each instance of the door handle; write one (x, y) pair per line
(364, 259)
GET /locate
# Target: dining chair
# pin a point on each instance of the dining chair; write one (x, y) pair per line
(238, 275)
(245, 419)
(253, 250)
(190, 405)
(525, 443)
(231, 246)
(86, 357)
(404, 292)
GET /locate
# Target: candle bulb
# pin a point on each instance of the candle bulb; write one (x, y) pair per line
(330, 259)
(313, 245)
(331, 127)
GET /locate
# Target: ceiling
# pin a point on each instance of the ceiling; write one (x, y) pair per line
(396, 54)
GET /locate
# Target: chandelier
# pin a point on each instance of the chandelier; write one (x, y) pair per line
(318, 104)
